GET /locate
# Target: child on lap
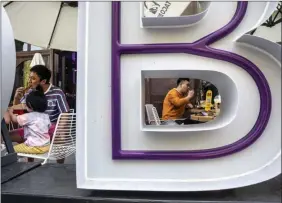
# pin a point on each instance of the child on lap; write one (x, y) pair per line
(35, 123)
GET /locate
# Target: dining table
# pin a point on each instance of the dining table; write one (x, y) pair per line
(202, 118)
(196, 115)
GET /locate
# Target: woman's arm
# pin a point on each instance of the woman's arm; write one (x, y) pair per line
(13, 116)
(7, 117)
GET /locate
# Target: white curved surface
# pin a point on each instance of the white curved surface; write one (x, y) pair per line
(271, 33)
(224, 83)
(265, 44)
(174, 22)
(269, 8)
(8, 61)
(95, 167)
(205, 136)
(131, 33)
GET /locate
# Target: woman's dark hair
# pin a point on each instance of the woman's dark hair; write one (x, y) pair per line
(36, 100)
(43, 72)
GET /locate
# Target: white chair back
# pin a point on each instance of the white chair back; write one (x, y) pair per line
(152, 115)
(63, 140)
(64, 137)
(156, 116)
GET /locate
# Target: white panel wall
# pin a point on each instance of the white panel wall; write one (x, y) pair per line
(95, 167)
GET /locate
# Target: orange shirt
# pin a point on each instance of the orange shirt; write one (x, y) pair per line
(174, 105)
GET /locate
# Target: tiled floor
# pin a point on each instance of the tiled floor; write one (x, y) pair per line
(69, 160)
(37, 186)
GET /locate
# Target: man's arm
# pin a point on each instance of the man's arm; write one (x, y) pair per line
(62, 103)
(18, 95)
(189, 105)
(16, 101)
(176, 101)
(21, 106)
(63, 108)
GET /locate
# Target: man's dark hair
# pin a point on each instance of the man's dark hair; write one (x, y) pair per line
(42, 71)
(36, 100)
(181, 80)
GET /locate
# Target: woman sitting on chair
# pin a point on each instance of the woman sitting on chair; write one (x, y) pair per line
(36, 124)
(56, 99)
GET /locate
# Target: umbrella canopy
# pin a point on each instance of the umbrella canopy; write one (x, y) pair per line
(37, 60)
(50, 24)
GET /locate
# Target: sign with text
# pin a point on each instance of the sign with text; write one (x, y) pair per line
(164, 9)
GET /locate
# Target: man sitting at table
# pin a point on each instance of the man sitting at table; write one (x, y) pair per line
(56, 100)
(176, 101)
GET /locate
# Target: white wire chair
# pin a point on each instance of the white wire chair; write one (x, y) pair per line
(152, 115)
(154, 119)
(63, 140)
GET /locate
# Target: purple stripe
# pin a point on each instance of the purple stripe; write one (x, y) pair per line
(61, 106)
(50, 92)
(53, 120)
(200, 48)
(57, 101)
